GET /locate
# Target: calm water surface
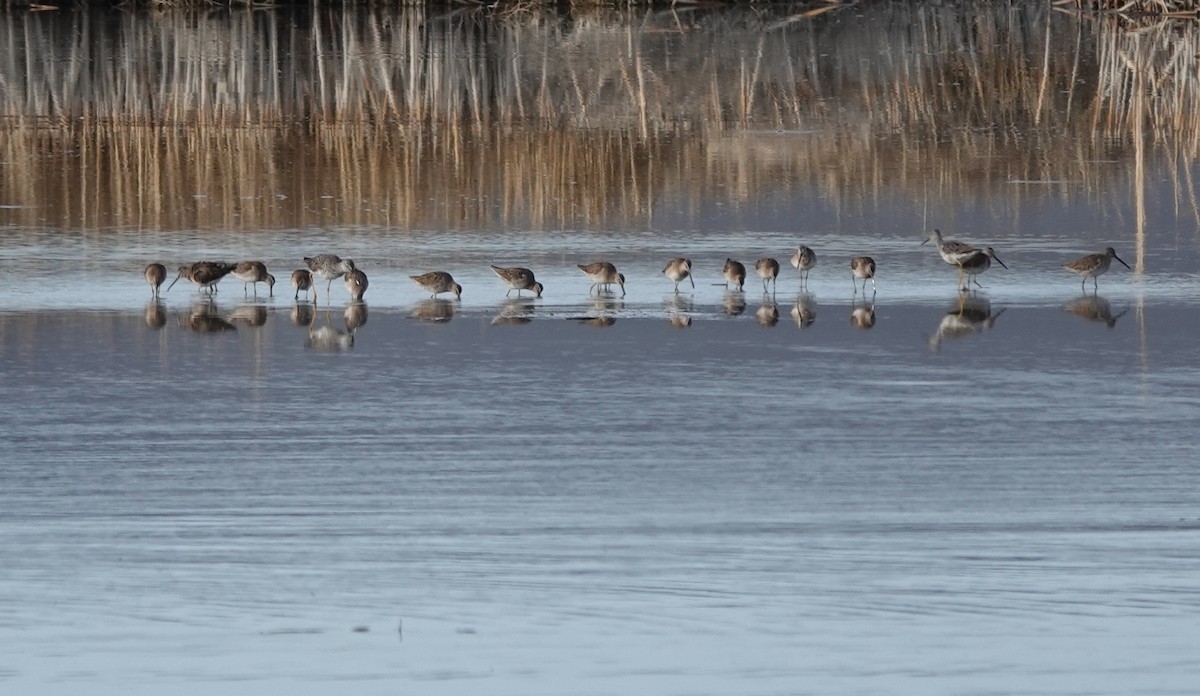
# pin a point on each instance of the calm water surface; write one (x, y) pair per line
(703, 493)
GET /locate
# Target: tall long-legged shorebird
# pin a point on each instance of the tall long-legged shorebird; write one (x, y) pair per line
(603, 273)
(302, 281)
(254, 272)
(974, 265)
(205, 274)
(329, 267)
(804, 260)
(734, 272)
(518, 279)
(862, 267)
(768, 270)
(155, 274)
(1093, 265)
(437, 282)
(678, 269)
(952, 252)
(356, 284)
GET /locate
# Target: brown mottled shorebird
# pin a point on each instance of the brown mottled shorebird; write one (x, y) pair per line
(518, 279)
(302, 280)
(1093, 265)
(329, 267)
(768, 270)
(951, 251)
(603, 273)
(437, 282)
(254, 272)
(735, 273)
(205, 274)
(804, 260)
(977, 264)
(862, 267)
(356, 284)
(155, 274)
(677, 270)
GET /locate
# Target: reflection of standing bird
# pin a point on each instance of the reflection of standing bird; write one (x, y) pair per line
(302, 280)
(805, 311)
(735, 273)
(329, 267)
(768, 270)
(254, 272)
(863, 317)
(767, 314)
(603, 273)
(1093, 265)
(862, 267)
(518, 279)
(1094, 308)
(155, 274)
(804, 260)
(978, 263)
(677, 270)
(205, 274)
(356, 284)
(437, 282)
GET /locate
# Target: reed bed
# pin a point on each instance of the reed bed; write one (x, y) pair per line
(411, 118)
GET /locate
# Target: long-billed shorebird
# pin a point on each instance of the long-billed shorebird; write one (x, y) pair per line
(678, 269)
(155, 274)
(862, 267)
(329, 267)
(205, 274)
(804, 260)
(974, 265)
(734, 272)
(437, 282)
(1093, 265)
(518, 279)
(603, 273)
(356, 284)
(302, 281)
(952, 252)
(254, 272)
(768, 270)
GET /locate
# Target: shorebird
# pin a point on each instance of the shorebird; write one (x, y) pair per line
(951, 251)
(518, 279)
(677, 270)
(1093, 265)
(356, 284)
(803, 260)
(302, 280)
(155, 274)
(768, 270)
(254, 272)
(329, 267)
(735, 273)
(862, 267)
(205, 274)
(603, 273)
(437, 282)
(977, 264)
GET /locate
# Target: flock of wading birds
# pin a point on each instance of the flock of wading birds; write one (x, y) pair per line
(970, 261)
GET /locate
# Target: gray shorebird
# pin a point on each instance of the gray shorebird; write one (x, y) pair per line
(1093, 265)
(518, 279)
(768, 270)
(734, 272)
(254, 272)
(974, 265)
(603, 273)
(437, 282)
(329, 267)
(677, 270)
(952, 252)
(155, 274)
(862, 267)
(204, 274)
(302, 281)
(804, 260)
(356, 284)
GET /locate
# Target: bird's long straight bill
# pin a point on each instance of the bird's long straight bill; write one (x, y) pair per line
(1122, 262)
(174, 281)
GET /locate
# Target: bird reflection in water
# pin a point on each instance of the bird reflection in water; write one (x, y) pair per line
(862, 317)
(515, 311)
(155, 314)
(767, 314)
(355, 315)
(1094, 308)
(435, 311)
(680, 321)
(249, 314)
(204, 319)
(302, 313)
(734, 302)
(596, 321)
(679, 308)
(968, 316)
(328, 338)
(804, 311)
